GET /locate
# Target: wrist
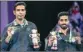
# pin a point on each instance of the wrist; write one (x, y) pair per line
(7, 39)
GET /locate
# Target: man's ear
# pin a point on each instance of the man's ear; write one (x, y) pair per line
(14, 12)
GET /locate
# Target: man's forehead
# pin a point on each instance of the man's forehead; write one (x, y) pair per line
(64, 17)
(20, 7)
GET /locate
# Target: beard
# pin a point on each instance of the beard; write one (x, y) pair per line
(64, 26)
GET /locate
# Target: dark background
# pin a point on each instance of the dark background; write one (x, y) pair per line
(44, 15)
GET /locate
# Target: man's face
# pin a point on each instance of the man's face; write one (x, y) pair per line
(63, 22)
(20, 12)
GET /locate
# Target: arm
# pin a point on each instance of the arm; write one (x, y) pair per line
(51, 43)
(78, 38)
(78, 41)
(6, 39)
(48, 44)
(36, 47)
(4, 45)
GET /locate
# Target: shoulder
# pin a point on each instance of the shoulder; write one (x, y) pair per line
(31, 24)
(55, 27)
(5, 29)
(8, 25)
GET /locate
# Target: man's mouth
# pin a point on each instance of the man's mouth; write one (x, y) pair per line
(64, 25)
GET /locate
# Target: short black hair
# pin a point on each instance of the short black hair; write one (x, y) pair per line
(63, 14)
(19, 3)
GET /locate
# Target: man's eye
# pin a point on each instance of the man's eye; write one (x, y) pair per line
(22, 9)
(18, 9)
(65, 19)
(61, 20)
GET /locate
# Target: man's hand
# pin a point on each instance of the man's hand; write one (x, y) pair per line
(50, 41)
(9, 34)
(36, 46)
(78, 39)
(35, 43)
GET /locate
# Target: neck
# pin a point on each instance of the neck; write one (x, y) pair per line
(64, 31)
(19, 21)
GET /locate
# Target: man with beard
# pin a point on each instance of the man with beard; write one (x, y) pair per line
(62, 37)
(18, 36)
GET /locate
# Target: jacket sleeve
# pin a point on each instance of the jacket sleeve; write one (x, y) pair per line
(48, 48)
(4, 45)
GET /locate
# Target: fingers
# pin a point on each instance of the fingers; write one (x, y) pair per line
(9, 31)
(78, 39)
(50, 41)
(9, 34)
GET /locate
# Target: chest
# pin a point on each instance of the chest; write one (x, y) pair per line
(23, 34)
(69, 37)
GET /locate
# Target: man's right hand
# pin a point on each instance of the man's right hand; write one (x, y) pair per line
(9, 34)
(50, 41)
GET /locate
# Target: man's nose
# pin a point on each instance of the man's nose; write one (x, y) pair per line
(64, 22)
(20, 12)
